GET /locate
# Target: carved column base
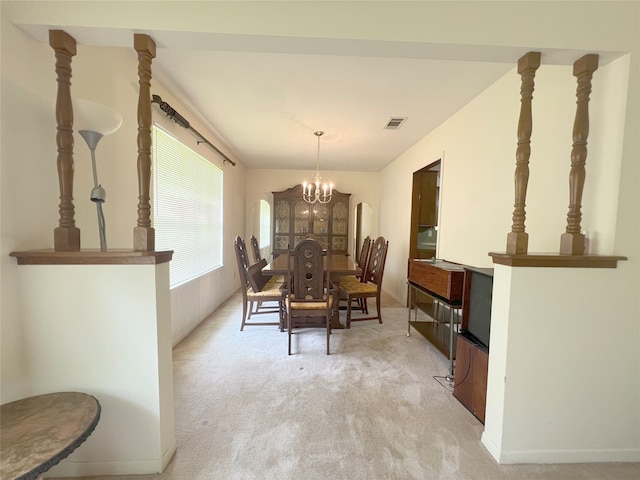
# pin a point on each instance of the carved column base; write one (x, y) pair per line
(66, 239)
(572, 244)
(517, 243)
(144, 239)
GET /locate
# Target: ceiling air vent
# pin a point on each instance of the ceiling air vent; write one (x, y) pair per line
(395, 123)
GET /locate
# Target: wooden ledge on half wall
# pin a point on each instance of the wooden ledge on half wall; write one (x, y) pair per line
(556, 260)
(92, 257)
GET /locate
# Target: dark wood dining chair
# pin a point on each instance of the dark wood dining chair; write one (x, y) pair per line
(364, 252)
(258, 294)
(266, 289)
(257, 256)
(311, 295)
(346, 280)
(371, 284)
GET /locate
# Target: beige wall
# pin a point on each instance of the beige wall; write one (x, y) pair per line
(28, 140)
(29, 185)
(478, 146)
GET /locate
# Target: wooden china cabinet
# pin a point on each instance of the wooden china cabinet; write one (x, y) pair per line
(293, 219)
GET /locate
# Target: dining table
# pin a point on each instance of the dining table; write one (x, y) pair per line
(338, 265)
(38, 432)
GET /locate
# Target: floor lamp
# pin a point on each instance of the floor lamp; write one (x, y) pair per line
(94, 121)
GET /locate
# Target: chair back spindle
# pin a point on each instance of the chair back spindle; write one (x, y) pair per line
(243, 260)
(375, 266)
(257, 256)
(364, 253)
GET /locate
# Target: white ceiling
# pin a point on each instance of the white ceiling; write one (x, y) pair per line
(263, 96)
(266, 106)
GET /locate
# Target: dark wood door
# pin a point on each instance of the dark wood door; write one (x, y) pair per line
(424, 212)
(358, 229)
(428, 191)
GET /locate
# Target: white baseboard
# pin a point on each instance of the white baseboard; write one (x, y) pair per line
(493, 449)
(628, 455)
(90, 469)
(571, 456)
(168, 454)
(95, 469)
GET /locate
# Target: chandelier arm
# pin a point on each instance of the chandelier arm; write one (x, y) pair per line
(316, 196)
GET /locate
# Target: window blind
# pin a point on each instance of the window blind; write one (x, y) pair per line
(187, 202)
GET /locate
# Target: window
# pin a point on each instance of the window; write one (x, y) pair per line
(265, 224)
(187, 200)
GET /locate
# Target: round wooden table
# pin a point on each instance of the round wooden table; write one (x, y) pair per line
(38, 432)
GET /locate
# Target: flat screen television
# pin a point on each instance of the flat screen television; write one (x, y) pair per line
(476, 308)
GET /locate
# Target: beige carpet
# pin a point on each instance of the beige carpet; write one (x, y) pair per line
(244, 409)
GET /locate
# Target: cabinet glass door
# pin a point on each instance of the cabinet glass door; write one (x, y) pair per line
(321, 223)
(294, 219)
(281, 225)
(339, 226)
(301, 220)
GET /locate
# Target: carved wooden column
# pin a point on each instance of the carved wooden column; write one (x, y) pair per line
(518, 239)
(66, 237)
(572, 241)
(143, 233)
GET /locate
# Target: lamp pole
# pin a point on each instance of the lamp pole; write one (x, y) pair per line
(98, 194)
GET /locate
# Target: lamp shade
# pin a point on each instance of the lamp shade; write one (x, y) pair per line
(95, 117)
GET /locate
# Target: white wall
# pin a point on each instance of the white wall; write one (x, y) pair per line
(118, 351)
(558, 375)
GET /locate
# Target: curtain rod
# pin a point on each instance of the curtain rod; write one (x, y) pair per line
(183, 122)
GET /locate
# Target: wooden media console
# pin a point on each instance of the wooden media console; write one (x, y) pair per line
(435, 288)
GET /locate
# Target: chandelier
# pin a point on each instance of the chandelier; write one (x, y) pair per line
(315, 192)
